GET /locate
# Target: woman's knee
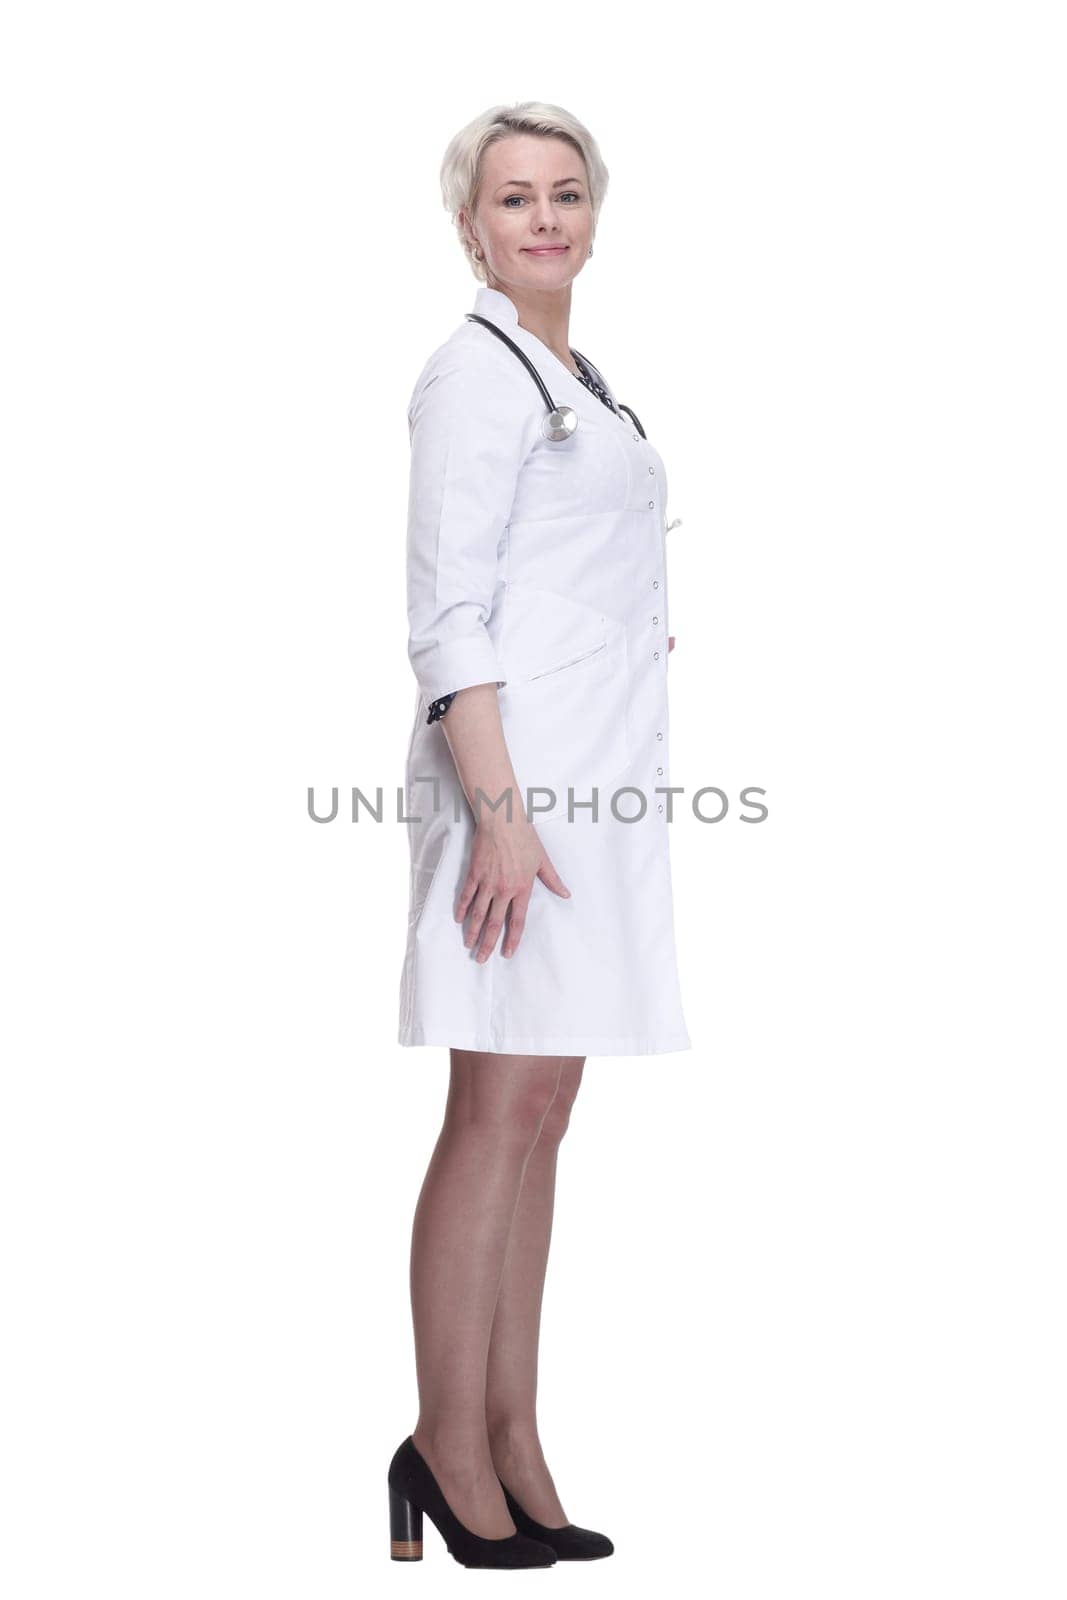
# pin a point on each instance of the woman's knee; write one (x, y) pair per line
(512, 1095)
(557, 1117)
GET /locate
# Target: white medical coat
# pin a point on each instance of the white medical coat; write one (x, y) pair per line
(540, 567)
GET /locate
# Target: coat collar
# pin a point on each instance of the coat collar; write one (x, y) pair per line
(496, 307)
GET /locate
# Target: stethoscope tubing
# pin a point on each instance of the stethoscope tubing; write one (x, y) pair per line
(552, 409)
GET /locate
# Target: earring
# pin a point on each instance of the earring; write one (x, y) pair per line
(590, 249)
(476, 253)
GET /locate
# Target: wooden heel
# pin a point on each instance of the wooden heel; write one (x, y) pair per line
(405, 1528)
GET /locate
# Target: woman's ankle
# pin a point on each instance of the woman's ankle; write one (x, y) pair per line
(465, 1450)
(513, 1437)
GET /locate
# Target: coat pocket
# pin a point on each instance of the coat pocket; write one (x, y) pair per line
(544, 631)
(566, 726)
(572, 662)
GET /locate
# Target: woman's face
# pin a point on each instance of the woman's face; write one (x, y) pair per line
(533, 194)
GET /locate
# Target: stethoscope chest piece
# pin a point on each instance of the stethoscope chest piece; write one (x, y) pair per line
(559, 423)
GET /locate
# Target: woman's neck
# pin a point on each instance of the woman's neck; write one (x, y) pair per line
(546, 314)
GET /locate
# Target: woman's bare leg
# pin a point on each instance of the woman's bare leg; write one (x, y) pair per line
(511, 1380)
(494, 1112)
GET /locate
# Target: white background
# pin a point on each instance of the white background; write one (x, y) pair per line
(804, 1322)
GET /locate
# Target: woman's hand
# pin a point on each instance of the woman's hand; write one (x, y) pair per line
(506, 859)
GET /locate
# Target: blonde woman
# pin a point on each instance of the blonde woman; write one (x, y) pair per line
(540, 922)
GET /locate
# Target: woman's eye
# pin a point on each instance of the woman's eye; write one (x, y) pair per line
(570, 194)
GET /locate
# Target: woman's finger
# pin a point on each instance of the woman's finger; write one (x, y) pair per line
(466, 894)
(551, 878)
(516, 922)
(670, 644)
(493, 925)
(477, 914)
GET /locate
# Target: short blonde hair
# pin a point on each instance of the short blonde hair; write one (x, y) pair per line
(461, 168)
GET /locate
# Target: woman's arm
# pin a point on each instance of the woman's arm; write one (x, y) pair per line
(470, 433)
(469, 439)
(475, 736)
(507, 855)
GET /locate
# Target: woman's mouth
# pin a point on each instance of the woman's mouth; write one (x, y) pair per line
(546, 249)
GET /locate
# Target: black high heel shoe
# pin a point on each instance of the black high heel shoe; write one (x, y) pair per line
(570, 1542)
(413, 1489)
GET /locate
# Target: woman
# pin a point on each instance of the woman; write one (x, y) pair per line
(537, 601)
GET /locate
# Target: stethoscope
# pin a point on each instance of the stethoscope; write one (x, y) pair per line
(560, 421)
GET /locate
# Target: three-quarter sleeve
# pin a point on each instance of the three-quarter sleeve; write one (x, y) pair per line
(470, 433)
